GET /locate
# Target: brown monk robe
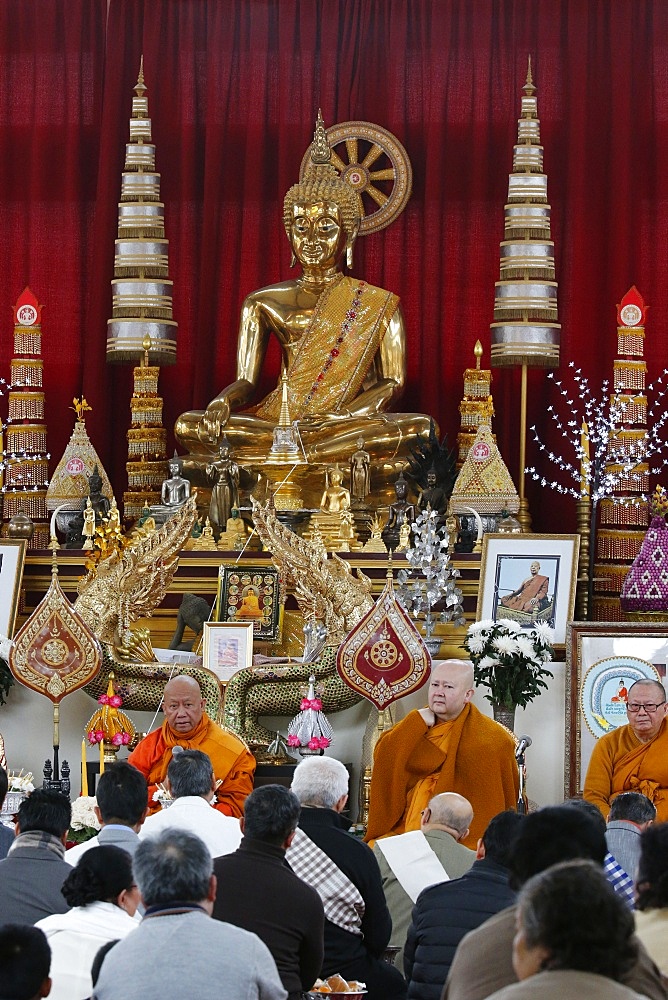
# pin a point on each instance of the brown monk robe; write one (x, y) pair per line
(633, 758)
(531, 593)
(448, 747)
(187, 725)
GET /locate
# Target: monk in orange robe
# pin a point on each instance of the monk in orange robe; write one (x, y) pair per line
(188, 726)
(447, 747)
(531, 595)
(633, 758)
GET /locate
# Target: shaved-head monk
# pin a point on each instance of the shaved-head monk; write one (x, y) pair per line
(633, 758)
(188, 726)
(449, 746)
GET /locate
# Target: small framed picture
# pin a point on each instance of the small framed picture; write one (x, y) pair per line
(227, 648)
(529, 578)
(250, 594)
(12, 558)
(603, 660)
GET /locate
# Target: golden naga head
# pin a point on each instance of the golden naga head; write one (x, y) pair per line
(321, 183)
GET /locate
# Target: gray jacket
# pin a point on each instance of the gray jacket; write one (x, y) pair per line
(30, 880)
(189, 955)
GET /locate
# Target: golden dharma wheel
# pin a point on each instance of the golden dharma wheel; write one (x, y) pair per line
(376, 166)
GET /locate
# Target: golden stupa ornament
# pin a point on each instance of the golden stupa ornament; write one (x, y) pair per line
(484, 482)
(383, 657)
(69, 484)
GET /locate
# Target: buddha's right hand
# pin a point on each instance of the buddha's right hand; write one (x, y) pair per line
(214, 420)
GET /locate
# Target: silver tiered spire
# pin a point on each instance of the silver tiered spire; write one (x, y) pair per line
(525, 330)
(142, 291)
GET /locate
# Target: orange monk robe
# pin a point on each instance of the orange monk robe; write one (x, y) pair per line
(621, 763)
(472, 755)
(533, 590)
(232, 763)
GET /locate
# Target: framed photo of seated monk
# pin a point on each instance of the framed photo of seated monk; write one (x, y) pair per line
(603, 660)
(250, 594)
(529, 579)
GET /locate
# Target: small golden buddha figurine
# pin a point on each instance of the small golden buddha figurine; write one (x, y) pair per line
(336, 497)
(360, 476)
(206, 542)
(375, 543)
(89, 525)
(342, 340)
(235, 532)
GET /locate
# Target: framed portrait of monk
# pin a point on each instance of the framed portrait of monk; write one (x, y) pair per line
(250, 594)
(603, 660)
(227, 648)
(529, 579)
(12, 558)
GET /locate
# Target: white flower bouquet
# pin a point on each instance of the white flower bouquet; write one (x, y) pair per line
(84, 823)
(510, 660)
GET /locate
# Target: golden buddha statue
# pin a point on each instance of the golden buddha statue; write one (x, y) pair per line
(343, 344)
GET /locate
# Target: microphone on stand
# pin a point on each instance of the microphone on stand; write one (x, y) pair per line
(522, 798)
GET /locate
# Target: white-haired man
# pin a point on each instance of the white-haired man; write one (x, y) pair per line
(345, 874)
(449, 746)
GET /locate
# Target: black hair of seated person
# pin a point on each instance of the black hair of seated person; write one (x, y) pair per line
(122, 794)
(634, 807)
(551, 835)
(271, 814)
(46, 811)
(101, 875)
(96, 967)
(652, 879)
(590, 809)
(25, 961)
(4, 784)
(499, 835)
(572, 910)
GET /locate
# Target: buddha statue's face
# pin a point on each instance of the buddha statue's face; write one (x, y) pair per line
(317, 234)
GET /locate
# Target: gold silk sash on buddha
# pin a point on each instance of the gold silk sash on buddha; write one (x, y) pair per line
(336, 350)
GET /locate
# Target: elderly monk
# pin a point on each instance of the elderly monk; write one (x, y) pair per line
(447, 747)
(531, 595)
(188, 726)
(633, 757)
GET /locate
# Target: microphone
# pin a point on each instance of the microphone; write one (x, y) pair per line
(524, 743)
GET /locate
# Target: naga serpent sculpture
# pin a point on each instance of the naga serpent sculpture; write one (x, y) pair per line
(326, 591)
(127, 584)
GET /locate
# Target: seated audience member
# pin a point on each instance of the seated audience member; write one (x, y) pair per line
(630, 814)
(483, 960)
(122, 803)
(188, 726)
(444, 913)
(618, 877)
(633, 757)
(345, 874)
(439, 749)
(652, 894)
(102, 893)
(258, 891)
(35, 868)
(574, 938)
(192, 783)
(25, 959)
(411, 861)
(178, 951)
(6, 833)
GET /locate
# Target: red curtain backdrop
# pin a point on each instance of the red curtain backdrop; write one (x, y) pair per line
(233, 90)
